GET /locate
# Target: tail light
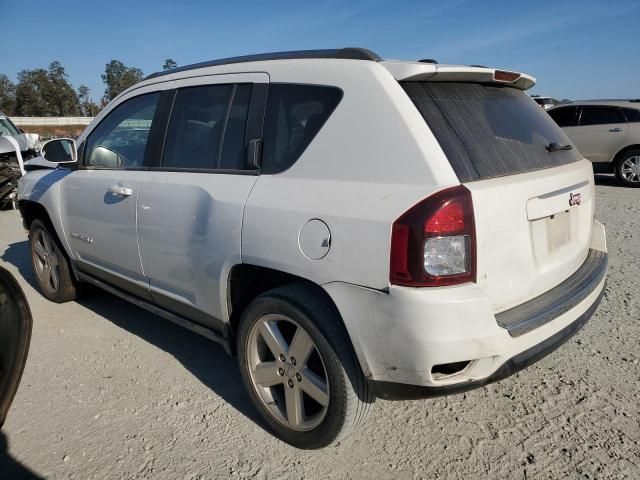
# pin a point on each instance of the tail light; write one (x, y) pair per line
(434, 244)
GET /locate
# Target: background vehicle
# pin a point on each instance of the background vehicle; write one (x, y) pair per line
(10, 167)
(607, 132)
(336, 220)
(545, 102)
(27, 141)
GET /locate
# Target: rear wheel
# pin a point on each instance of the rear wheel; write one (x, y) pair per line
(628, 168)
(50, 265)
(299, 369)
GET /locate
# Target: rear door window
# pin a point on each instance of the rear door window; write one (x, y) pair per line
(565, 116)
(489, 131)
(207, 128)
(596, 115)
(294, 115)
(195, 128)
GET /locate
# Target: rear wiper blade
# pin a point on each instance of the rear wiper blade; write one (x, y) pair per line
(556, 147)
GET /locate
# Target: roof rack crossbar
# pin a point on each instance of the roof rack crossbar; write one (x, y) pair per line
(343, 53)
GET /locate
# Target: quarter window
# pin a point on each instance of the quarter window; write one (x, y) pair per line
(595, 115)
(120, 140)
(294, 115)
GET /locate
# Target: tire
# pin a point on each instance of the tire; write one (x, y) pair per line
(628, 168)
(50, 264)
(328, 373)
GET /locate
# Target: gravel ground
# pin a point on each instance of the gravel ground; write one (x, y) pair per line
(112, 391)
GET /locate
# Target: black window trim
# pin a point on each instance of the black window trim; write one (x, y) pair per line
(82, 157)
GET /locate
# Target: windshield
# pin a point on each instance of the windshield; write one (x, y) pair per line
(489, 131)
(7, 128)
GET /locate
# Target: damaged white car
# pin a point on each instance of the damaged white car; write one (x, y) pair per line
(15, 147)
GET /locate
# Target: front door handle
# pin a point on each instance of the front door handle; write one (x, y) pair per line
(617, 129)
(121, 190)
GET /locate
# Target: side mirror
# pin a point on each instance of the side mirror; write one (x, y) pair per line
(105, 157)
(60, 150)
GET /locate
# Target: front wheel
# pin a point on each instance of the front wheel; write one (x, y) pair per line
(628, 168)
(299, 368)
(50, 265)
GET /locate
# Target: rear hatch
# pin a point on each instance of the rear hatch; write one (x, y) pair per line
(533, 202)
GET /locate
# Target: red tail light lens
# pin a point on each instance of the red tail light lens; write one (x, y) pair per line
(433, 243)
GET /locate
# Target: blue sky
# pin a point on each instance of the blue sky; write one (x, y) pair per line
(576, 49)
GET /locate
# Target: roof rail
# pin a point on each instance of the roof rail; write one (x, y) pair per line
(344, 53)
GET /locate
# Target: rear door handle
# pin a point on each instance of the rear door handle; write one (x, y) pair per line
(121, 190)
(617, 129)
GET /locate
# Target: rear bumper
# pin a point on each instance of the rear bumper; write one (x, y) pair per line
(399, 391)
(414, 343)
(549, 306)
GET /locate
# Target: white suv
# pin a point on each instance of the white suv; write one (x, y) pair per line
(349, 227)
(607, 132)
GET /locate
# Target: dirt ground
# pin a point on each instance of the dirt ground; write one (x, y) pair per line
(111, 391)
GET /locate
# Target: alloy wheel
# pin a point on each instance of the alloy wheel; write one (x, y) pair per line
(45, 259)
(287, 372)
(630, 169)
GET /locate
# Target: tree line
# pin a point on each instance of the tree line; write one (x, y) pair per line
(47, 92)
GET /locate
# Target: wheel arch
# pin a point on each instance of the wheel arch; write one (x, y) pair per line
(624, 150)
(30, 211)
(246, 281)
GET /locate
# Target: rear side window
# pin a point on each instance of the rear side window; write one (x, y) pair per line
(489, 131)
(294, 115)
(631, 115)
(594, 115)
(565, 116)
(196, 126)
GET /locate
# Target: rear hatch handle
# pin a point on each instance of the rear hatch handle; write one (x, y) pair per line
(556, 147)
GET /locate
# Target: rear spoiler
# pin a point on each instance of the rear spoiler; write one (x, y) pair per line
(415, 72)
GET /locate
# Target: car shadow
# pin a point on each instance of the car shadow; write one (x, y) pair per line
(9, 466)
(203, 358)
(17, 254)
(607, 180)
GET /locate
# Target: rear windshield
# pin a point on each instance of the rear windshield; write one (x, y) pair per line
(489, 131)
